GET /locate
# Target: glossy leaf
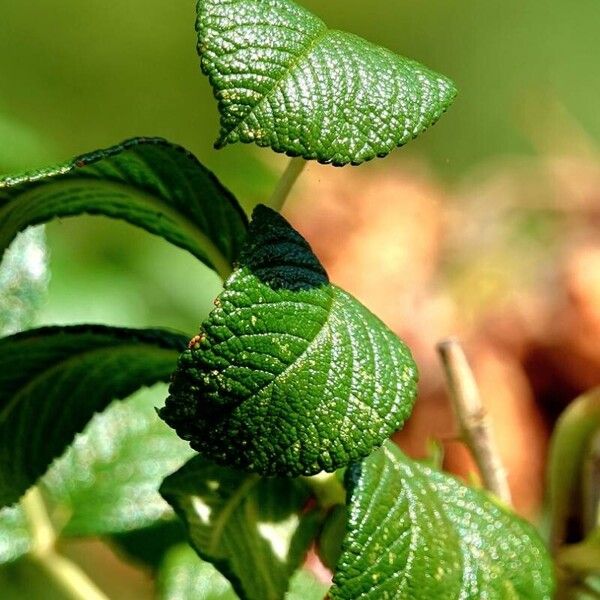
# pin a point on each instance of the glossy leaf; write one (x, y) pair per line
(250, 528)
(283, 79)
(145, 181)
(290, 375)
(414, 533)
(54, 379)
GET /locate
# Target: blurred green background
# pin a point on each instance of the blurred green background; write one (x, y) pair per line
(77, 76)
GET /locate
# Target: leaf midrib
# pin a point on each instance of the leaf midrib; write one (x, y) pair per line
(304, 54)
(206, 248)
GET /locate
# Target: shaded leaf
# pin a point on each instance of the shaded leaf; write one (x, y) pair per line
(290, 375)
(147, 182)
(250, 528)
(416, 533)
(283, 79)
(54, 379)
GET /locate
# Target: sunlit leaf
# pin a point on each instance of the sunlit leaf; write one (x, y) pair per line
(414, 533)
(283, 79)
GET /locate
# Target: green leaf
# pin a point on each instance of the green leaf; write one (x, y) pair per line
(107, 483)
(108, 479)
(23, 281)
(147, 182)
(250, 528)
(184, 576)
(329, 543)
(283, 79)
(290, 375)
(14, 534)
(54, 379)
(416, 533)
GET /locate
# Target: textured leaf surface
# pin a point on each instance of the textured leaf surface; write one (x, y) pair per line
(290, 375)
(145, 181)
(249, 528)
(108, 480)
(414, 533)
(54, 379)
(283, 79)
(23, 281)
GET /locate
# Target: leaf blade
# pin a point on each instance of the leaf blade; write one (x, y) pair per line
(290, 375)
(251, 529)
(462, 544)
(283, 79)
(147, 182)
(79, 369)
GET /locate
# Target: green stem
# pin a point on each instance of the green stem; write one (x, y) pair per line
(570, 443)
(43, 551)
(286, 183)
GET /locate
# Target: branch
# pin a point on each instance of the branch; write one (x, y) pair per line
(475, 425)
(286, 183)
(43, 551)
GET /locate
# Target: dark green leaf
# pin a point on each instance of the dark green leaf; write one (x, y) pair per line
(329, 544)
(415, 533)
(290, 375)
(26, 580)
(145, 181)
(283, 79)
(250, 528)
(54, 379)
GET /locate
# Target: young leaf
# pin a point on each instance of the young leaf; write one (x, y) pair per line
(250, 528)
(283, 79)
(290, 375)
(54, 379)
(147, 182)
(419, 534)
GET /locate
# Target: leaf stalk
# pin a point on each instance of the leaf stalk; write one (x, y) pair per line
(43, 551)
(286, 183)
(473, 420)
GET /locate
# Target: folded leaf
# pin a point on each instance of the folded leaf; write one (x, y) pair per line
(283, 79)
(54, 379)
(147, 182)
(251, 529)
(414, 533)
(290, 375)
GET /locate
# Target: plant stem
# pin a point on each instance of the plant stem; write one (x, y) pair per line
(286, 183)
(475, 425)
(43, 551)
